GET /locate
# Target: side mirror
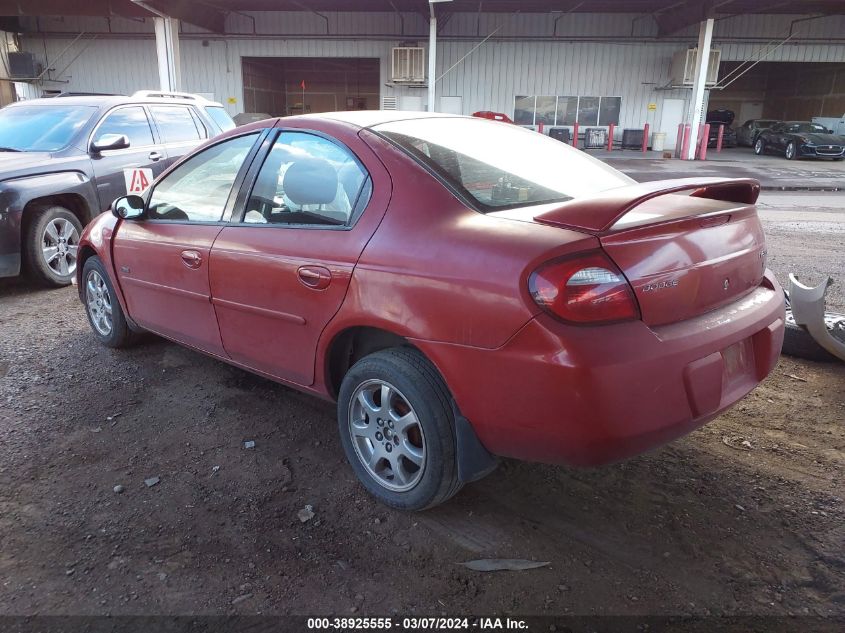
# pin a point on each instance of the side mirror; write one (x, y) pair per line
(129, 207)
(110, 141)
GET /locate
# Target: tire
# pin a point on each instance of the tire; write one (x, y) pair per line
(50, 246)
(420, 471)
(105, 316)
(791, 152)
(798, 342)
(759, 147)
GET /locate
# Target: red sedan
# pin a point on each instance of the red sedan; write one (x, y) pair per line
(465, 290)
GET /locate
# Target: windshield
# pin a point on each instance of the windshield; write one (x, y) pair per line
(221, 118)
(41, 128)
(810, 128)
(499, 165)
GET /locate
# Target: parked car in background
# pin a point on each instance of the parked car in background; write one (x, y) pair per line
(728, 135)
(244, 118)
(721, 118)
(747, 133)
(63, 160)
(492, 116)
(836, 124)
(463, 289)
(800, 139)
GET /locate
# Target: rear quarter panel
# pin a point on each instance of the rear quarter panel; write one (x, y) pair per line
(439, 271)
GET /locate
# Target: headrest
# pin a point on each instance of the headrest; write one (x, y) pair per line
(310, 181)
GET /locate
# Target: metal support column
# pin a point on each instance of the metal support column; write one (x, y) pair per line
(702, 61)
(432, 57)
(167, 51)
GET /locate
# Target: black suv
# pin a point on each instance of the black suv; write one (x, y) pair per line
(63, 160)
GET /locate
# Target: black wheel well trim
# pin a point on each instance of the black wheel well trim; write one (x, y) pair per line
(85, 253)
(73, 202)
(354, 343)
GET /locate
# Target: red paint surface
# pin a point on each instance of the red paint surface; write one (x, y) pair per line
(454, 282)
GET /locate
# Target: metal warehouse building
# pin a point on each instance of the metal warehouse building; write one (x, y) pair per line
(597, 62)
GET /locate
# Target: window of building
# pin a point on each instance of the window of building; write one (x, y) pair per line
(566, 110)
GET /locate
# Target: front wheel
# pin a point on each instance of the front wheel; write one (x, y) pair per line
(51, 245)
(759, 147)
(105, 316)
(397, 429)
(790, 151)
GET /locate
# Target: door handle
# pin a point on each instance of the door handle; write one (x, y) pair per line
(315, 277)
(156, 156)
(191, 259)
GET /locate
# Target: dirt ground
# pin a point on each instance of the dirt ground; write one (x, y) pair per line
(744, 516)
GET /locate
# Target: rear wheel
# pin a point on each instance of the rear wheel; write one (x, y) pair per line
(105, 316)
(790, 151)
(759, 147)
(397, 429)
(51, 245)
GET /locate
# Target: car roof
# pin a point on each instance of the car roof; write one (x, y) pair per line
(101, 101)
(370, 118)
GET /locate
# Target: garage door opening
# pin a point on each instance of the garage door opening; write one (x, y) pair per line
(282, 86)
(788, 91)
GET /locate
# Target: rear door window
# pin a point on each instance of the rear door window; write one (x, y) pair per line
(220, 117)
(177, 124)
(307, 180)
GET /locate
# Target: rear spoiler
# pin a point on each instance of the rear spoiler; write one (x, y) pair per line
(600, 211)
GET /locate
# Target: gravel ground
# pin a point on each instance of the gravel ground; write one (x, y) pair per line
(744, 516)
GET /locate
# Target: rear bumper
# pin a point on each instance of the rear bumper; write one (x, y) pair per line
(588, 396)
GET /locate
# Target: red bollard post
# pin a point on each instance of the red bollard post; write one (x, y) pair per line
(575, 135)
(645, 138)
(705, 139)
(685, 144)
(540, 127)
(678, 140)
(719, 138)
(610, 138)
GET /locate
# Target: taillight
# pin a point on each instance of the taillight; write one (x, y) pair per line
(584, 289)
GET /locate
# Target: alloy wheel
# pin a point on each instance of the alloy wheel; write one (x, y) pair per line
(99, 304)
(387, 435)
(758, 146)
(790, 150)
(60, 246)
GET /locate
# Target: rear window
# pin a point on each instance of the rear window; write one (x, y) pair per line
(41, 128)
(499, 165)
(177, 124)
(221, 118)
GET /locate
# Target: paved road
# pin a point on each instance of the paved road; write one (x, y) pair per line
(806, 236)
(773, 172)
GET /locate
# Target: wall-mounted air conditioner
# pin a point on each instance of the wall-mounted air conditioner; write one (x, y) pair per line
(22, 65)
(408, 64)
(682, 70)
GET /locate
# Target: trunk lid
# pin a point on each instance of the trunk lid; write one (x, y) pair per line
(682, 266)
(686, 246)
